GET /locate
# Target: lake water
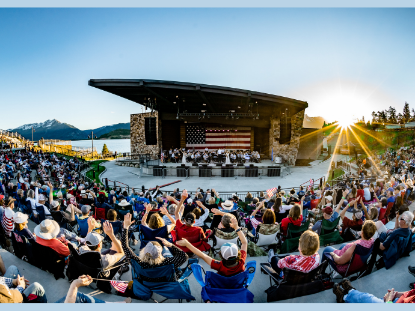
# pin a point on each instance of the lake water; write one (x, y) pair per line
(119, 145)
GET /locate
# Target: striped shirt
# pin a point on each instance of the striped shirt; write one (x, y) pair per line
(7, 222)
(300, 263)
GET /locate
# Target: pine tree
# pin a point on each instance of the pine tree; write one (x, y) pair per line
(105, 149)
(391, 113)
(400, 118)
(406, 116)
(413, 115)
(375, 117)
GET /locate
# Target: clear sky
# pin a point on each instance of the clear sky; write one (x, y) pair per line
(341, 61)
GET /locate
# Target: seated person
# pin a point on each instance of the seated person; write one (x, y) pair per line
(346, 293)
(345, 252)
(16, 289)
(402, 229)
(187, 229)
(308, 259)
(83, 221)
(171, 210)
(20, 225)
(151, 256)
(200, 218)
(46, 233)
(156, 221)
(268, 224)
(93, 243)
(233, 260)
(7, 216)
(295, 217)
(356, 220)
(331, 216)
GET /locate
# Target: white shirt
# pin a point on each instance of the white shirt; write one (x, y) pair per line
(199, 222)
(366, 193)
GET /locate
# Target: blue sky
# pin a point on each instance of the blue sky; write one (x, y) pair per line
(341, 61)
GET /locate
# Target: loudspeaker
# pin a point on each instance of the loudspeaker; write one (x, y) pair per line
(285, 127)
(151, 131)
(273, 171)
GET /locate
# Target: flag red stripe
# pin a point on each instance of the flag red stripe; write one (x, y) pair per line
(227, 136)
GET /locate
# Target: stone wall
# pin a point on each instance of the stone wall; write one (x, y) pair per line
(287, 151)
(138, 137)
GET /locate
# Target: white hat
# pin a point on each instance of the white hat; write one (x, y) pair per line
(189, 201)
(329, 197)
(20, 218)
(123, 203)
(229, 250)
(228, 205)
(42, 197)
(47, 230)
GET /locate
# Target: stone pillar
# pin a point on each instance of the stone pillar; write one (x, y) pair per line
(287, 151)
(138, 138)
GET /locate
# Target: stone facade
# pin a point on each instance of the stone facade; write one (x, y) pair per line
(138, 137)
(287, 151)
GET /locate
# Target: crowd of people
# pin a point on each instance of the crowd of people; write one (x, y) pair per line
(149, 228)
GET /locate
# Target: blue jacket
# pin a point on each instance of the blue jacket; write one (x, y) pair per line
(398, 243)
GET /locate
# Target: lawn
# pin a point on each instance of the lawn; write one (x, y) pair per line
(337, 173)
(94, 166)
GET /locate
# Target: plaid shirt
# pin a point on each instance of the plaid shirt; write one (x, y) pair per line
(9, 283)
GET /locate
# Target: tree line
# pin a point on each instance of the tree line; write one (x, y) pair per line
(390, 115)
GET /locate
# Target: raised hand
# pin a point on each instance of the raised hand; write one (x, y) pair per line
(163, 210)
(127, 221)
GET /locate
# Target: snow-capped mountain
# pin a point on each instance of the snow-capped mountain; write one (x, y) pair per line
(54, 129)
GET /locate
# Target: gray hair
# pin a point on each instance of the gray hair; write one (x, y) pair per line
(408, 217)
(172, 209)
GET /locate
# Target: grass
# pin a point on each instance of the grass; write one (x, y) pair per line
(94, 166)
(337, 173)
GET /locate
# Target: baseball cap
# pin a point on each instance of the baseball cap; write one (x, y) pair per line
(42, 197)
(93, 238)
(358, 214)
(328, 210)
(229, 251)
(55, 204)
(85, 209)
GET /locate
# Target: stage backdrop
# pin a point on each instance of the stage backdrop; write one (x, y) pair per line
(200, 137)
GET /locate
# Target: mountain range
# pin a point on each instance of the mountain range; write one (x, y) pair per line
(313, 122)
(54, 129)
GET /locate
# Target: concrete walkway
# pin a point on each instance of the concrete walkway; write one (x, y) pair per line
(298, 176)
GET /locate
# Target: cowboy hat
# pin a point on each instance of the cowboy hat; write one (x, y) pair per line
(47, 230)
(123, 203)
(227, 205)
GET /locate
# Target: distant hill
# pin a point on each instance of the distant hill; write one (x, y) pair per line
(54, 129)
(117, 134)
(313, 122)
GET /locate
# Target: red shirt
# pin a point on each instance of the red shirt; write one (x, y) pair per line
(346, 222)
(288, 220)
(229, 271)
(360, 193)
(56, 245)
(194, 235)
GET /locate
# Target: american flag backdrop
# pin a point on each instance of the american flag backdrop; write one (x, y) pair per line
(199, 137)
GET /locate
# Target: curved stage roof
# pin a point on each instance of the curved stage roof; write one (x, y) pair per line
(173, 97)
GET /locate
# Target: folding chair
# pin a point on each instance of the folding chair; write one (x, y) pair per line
(147, 281)
(329, 233)
(147, 235)
(90, 263)
(123, 210)
(217, 243)
(295, 283)
(218, 288)
(23, 248)
(293, 237)
(358, 264)
(265, 241)
(47, 259)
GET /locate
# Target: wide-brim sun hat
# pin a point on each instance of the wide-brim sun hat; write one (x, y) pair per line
(47, 230)
(228, 205)
(20, 218)
(123, 203)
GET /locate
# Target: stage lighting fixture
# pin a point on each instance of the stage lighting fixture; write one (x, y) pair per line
(204, 104)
